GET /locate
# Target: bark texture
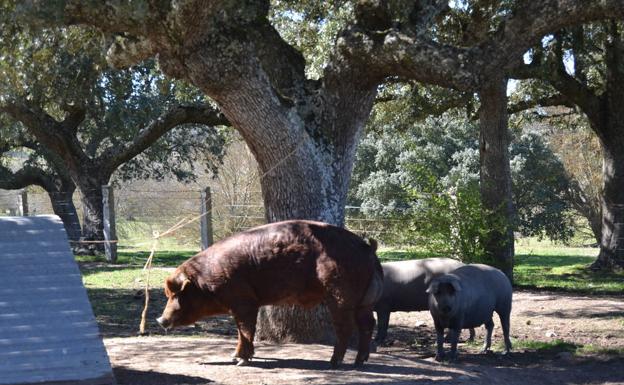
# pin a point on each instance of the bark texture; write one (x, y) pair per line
(63, 206)
(611, 255)
(495, 174)
(609, 126)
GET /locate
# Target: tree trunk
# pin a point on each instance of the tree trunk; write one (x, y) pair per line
(93, 210)
(595, 224)
(63, 206)
(495, 174)
(305, 153)
(611, 256)
(298, 188)
(309, 184)
(609, 126)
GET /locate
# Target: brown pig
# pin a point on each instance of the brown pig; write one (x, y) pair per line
(292, 262)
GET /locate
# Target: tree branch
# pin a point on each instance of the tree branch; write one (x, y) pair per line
(114, 16)
(75, 116)
(531, 20)
(572, 89)
(396, 53)
(546, 101)
(58, 137)
(113, 157)
(24, 177)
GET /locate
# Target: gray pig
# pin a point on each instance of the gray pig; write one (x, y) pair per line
(467, 298)
(404, 288)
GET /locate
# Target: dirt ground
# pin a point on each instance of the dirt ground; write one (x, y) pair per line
(407, 358)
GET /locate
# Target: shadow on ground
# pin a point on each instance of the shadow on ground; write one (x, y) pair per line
(190, 360)
(129, 376)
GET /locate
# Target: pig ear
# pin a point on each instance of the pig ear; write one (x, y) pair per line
(184, 283)
(456, 285)
(177, 284)
(433, 287)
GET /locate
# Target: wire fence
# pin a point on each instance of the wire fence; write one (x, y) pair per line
(141, 213)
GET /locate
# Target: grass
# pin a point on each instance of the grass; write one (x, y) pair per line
(560, 346)
(130, 257)
(544, 265)
(116, 291)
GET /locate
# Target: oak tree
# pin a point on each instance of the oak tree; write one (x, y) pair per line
(303, 130)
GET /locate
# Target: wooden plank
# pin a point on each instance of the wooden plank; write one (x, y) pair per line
(48, 333)
(41, 234)
(48, 340)
(15, 358)
(34, 245)
(46, 328)
(51, 269)
(61, 377)
(51, 256)
(60, 288)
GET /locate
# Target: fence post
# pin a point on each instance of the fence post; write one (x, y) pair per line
(110, 234)
(206, 219)
(22, 204)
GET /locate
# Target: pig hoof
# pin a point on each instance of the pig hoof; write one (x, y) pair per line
(334, 364)
(242, 362)
(486, 351)
(439, 357)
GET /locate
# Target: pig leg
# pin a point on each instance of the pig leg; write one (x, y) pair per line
(489, 326)
(454, 337)
(246, 322)
(471, 338)
(504, 318)
(343, 320)
(440, 340)
(365, 324)
(383, 319)
(472, 335)
(235, 356)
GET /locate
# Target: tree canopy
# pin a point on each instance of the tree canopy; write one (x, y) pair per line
(80, 121)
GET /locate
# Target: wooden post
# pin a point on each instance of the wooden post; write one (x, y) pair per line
(22, 204)
(206, 219)
(110, 234)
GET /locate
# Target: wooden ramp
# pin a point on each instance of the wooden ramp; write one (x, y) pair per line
(48, 333)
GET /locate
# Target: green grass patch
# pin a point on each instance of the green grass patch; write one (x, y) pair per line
(601, 351)
(560, 268)
(170, 258)
(116, 291)
(559, 346)
(117, 296)
(543, 265)
(113, 277)
(555, 346)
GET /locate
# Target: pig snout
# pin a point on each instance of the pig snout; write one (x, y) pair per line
(164, 322)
